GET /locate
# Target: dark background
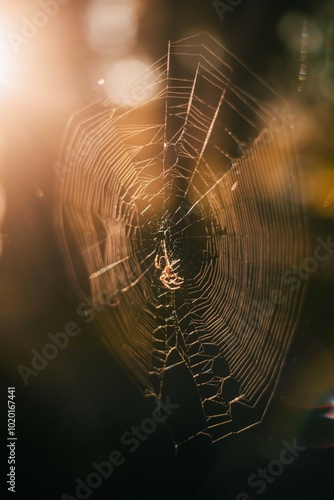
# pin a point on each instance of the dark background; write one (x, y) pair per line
(74, 412)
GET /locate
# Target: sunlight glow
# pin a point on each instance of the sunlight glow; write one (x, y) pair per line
(6, 56)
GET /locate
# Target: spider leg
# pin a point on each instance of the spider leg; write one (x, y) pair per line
(156, 262)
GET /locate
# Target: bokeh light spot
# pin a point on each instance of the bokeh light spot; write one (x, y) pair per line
(291, 27)
(121, 74)
(112, 26)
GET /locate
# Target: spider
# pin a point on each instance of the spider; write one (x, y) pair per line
(168, 277)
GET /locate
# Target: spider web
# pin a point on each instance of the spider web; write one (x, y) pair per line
(200, 174)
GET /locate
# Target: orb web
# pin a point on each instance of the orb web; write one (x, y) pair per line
(179, 214)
